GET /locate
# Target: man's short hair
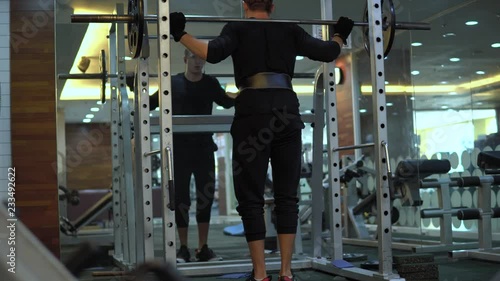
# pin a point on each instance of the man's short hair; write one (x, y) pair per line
(260, 5)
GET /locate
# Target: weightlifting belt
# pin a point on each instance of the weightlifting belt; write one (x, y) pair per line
(266, 80)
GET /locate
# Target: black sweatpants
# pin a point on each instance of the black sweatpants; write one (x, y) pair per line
(197, 159)
(256, 139)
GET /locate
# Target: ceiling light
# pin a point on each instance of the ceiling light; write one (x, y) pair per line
(444, 107)
(155, 139)
(299, 58)
(480, 72)
(150, 114)
(416, 44)
(415, 72)
(94, 109)
(157, 109)
(220, 108)
(452, 93)
(472, 22)
(128, 58)
(495, 45)
(412, 98)
(86, 120)
(479, 103)
(449, 34)
(387, 82)
(454, 59)
(89, 116)
(362, 110)
(99, 102)
(443, 82)
(389, 104)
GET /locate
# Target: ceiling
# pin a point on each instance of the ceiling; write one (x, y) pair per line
(449, 38)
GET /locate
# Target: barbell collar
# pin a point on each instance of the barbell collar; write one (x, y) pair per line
(129, 19)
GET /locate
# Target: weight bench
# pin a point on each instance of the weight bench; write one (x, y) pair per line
(72, 228)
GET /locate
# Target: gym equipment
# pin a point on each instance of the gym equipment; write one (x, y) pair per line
(71, 228)
(69, 195)
(324, 91)
(490, 163)
(136, 21)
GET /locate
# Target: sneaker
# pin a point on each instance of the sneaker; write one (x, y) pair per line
(206, 254)
(286, 278)
(183, 255)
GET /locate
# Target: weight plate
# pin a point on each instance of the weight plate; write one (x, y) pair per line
(426, 199)
(135, 29)
(410, 219)
(487, 148)
(493, 201)
(388, 27)
(403, 217)
(456, 200)
(370, 265)
(474, 198)
(477, 173)
(104, 72)
(498, 198)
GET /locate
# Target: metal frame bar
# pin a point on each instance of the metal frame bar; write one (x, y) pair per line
(118, 228)
(142, 169)
(127, 186)
(166, 132)
(384, 231)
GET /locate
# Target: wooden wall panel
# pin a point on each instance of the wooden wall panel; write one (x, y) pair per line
(88, 156)
(33, 117)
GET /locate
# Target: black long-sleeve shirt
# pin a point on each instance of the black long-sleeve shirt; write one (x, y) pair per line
(194, 98)
(267, 47)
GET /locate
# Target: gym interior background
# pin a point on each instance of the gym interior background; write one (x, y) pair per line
(442, 103)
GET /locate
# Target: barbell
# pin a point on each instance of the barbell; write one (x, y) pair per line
(135, 20)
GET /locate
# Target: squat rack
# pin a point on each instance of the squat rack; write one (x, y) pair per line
(143, 202)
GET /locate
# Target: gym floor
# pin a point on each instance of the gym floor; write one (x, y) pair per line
(232, 247)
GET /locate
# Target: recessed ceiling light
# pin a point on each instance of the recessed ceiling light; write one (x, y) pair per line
(89, 116)
(412, 98)
(150, 114)
(156, 139)
(415, 72)
(94, 109)
(416, 44)
(220, 108)
(389, 104)
(495, 45)
(480, 72)
(157, 109)
(443, 82)
(299, 58)
(479, 103)
(128, 58)
(455, 59)
(452, 93)
(362, 110)
(444, 107)
(387, 82)
(99, 102)
(449, 34)
(86, 120)
(472, 22)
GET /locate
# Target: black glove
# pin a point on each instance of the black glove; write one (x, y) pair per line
(177, 25)
(343, 28)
